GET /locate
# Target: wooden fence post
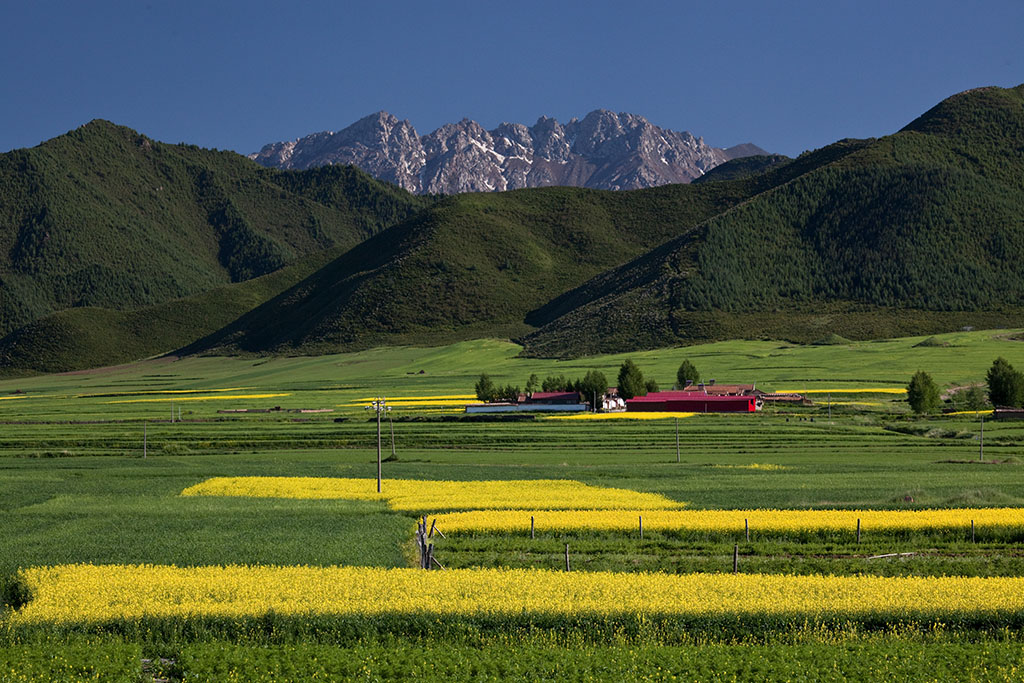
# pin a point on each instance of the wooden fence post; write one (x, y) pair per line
(736, 559)
(972, 531)
(566, 557)
(532, 535)
(858, 530)
(641, 527)
(746, 528)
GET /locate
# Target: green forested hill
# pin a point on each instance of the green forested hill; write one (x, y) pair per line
(917, 231)
(105, 217)
(474, 265)
(117, 247)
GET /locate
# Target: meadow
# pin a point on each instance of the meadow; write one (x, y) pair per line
(94, 468)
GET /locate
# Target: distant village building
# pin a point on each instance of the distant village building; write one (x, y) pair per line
(692, 402)
(540, 401)
(553, 398)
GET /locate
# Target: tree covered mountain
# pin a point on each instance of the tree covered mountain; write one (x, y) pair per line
(913, 232)
(118, 247)
(105, 217)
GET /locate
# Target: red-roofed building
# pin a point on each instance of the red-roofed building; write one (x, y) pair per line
(554, 397)
(692, 402)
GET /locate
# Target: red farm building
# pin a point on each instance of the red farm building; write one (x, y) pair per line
(692, 402)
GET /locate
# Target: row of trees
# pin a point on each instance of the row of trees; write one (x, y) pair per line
(593, 385)
(1005, 388)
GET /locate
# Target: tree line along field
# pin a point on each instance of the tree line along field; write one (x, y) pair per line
(75, 488)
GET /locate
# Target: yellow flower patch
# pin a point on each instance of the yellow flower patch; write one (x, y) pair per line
(182, 399)
(414, 495)
(643, 415)
(729, 521)
(73, 594)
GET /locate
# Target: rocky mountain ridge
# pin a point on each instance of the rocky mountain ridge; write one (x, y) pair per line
(604, 150)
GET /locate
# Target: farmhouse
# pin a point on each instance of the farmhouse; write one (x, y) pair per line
(712, 389)
(692, 402)
(540, 401)
(551, 398)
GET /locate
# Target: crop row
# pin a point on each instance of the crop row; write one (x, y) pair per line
(77, 594)
(414, 495)
(731, 521)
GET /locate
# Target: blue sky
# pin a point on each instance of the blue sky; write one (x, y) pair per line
(787, 76)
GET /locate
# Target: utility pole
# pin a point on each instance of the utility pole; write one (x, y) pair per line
(380, 406)
(981, 442)
(677, 439)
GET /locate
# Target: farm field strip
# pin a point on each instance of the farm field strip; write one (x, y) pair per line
(82, 594)
(415, 495)
(731, 521)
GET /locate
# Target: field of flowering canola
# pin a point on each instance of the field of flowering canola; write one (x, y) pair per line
(415, 495)
(734, 521)
(74, 594)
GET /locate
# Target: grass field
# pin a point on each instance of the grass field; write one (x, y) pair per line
(75, 487)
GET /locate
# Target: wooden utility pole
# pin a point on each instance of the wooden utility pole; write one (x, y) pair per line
(392, 423)
(981, 441)
(380, 406)
(677, 439)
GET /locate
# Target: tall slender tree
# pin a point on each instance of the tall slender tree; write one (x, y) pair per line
(922, 394)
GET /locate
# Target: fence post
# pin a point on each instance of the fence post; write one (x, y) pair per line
(532, 535)
(972, 531)
(858, 530)
(566, 557)
(641, 527)
(736, 559)
(746, 528)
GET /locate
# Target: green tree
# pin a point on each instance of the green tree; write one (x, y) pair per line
(686, 372)
(922, 394)
(593, 386)
(556, 383)
(974, 398)
(1005, 385)
(631, 380)
(485, 389)
(509, 393)
(532, 383)
(651, 386)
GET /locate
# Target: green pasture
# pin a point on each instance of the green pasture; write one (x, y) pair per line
(92, 467)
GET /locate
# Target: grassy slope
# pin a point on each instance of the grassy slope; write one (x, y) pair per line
(89, 337)
(913, 233)
(475, 265)
(105, 217)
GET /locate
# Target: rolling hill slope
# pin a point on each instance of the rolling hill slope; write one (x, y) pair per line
(472, 266)
(105, 217)
(919, 231)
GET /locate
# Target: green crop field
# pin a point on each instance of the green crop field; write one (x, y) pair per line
(92, 467)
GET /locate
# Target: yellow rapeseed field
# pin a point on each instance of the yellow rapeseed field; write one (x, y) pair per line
(182, 399)
(872, 390)
(730, 521)
(643, 415)
(141, 392)
(89, 593)
(409, 403)
(450, 397)
(427, 495)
